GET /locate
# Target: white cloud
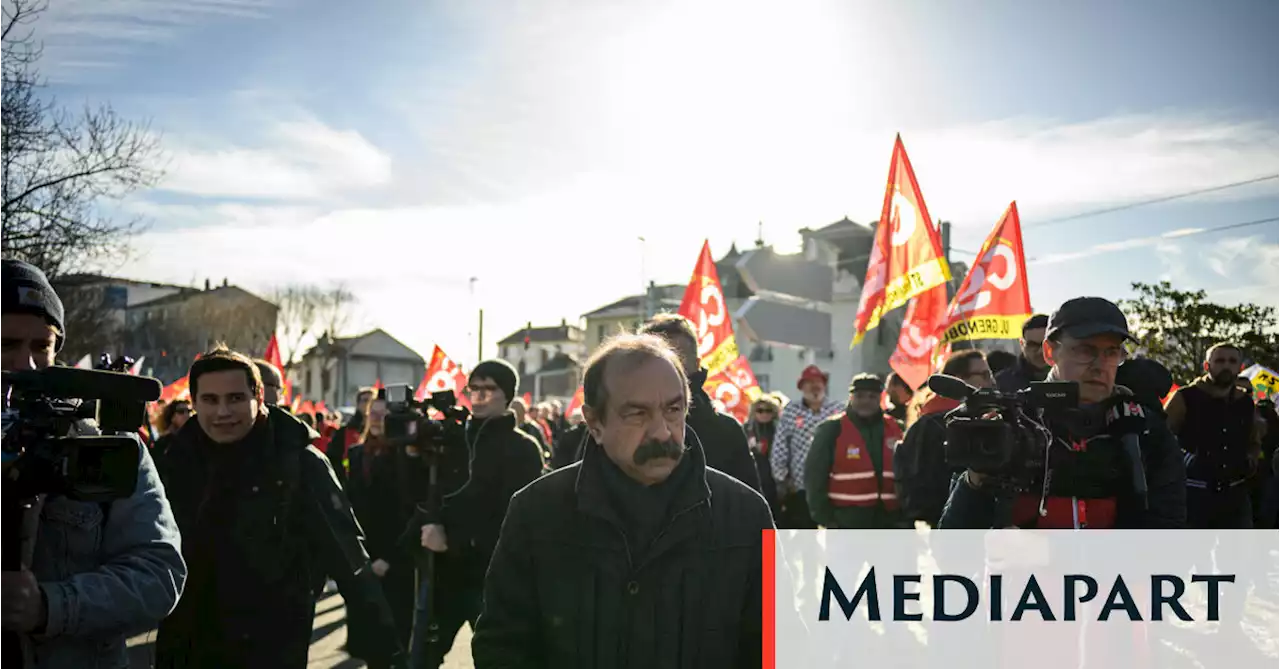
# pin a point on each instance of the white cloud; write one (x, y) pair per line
(84, 36)
(299, 160)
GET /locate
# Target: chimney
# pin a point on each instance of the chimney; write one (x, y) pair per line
(564, 322)
(224, 282)
(207, 286)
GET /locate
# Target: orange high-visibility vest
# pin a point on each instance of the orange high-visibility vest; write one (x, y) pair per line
(853, 480)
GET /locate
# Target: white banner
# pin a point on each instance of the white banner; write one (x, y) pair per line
(1019, 598)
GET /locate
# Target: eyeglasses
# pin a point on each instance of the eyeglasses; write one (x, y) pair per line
(764, 410)
(1087, 354)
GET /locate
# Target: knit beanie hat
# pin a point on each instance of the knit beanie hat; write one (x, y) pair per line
(27, 291)
(500, 372)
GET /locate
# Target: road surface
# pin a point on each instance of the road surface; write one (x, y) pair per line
(326, 642)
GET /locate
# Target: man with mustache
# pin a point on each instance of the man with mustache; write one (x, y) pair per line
(1214, 421)
(639, 555)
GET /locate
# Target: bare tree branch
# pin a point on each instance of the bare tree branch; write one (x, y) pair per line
(309, 311)
(57, 167)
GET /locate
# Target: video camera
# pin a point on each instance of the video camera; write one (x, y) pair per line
(997, 433)
(409, 423)
(40, 410)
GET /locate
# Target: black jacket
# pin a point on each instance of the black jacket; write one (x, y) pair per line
(564, 589)
(724, 440)
(535, 432)
(262, 522)
(1166, 508)
(1019, 376)
(569, 446)
(920, 472)
(503, 460)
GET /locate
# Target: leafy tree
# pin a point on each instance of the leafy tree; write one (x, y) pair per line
(58, 166)
(1177, 328)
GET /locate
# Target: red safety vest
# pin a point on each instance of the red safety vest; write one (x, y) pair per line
(853, 480)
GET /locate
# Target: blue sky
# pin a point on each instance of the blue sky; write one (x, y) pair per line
(405, 146)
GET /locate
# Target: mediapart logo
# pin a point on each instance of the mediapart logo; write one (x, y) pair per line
(1166, 592)
(1102, 599)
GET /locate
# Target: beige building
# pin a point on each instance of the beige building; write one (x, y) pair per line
(335, 369)
(629, 313)
(549, 359)
(171, 330)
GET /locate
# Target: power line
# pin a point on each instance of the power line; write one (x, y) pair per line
(1143, 203)
(1173, 234)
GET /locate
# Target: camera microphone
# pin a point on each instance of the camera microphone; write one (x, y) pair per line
(86, 384)
(951, 387)
(1126, 419)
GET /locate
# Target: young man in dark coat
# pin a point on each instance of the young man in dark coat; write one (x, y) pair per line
(263, 520)
(638, 556)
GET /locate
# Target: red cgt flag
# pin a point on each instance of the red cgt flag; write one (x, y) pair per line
(993, 300)
(443, 374)
(575, 403)
(704, 305)
(273, 356)
(914, 359)
(906, 256)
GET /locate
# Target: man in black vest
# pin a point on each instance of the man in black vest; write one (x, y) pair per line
(1214, 421)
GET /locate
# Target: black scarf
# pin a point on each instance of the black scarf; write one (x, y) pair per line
(642, 509)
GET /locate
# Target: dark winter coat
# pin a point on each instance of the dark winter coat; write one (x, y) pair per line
(565, 590)
(1019, 376)
(503, 460)
(374, 488)
(920, 472)
(262, 521)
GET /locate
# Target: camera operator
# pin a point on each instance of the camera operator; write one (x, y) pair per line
(1087, 479)
(503, 459)
(921, 473)
(264, 519)
(99, 572)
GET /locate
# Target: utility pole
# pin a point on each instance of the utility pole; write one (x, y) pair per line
(480, 340)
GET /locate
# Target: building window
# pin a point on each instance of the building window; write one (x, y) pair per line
(600, 332)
